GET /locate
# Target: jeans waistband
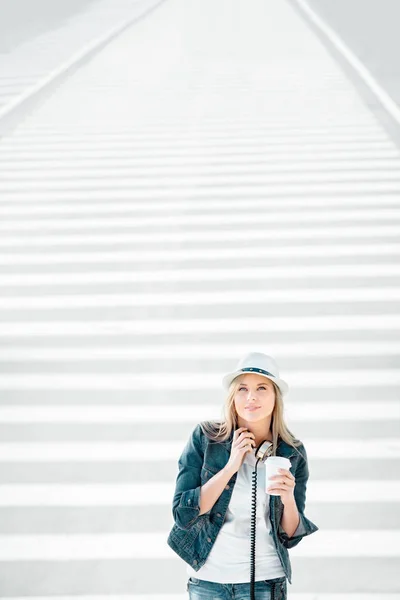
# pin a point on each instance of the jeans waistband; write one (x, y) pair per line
(275, 586)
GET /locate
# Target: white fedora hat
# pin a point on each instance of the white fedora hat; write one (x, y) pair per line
(257, 362)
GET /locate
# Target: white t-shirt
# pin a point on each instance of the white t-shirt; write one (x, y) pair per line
(229, 558)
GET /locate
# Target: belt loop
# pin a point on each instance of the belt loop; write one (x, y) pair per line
(273, 591)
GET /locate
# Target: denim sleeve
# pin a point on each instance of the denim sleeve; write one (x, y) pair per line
(305, 526)
(186, 501)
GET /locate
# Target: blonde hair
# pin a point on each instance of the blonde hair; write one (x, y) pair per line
(220, 431)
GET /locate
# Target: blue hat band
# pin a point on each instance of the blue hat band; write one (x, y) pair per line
(254, 369)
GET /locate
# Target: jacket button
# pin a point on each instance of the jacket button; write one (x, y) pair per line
(195, 562)
(218, 514)
(189, 502)
(208, 539)
(227, 487)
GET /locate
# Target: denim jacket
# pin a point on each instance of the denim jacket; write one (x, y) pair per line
(192, 535)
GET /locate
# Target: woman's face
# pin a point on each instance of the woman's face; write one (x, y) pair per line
(254, 391)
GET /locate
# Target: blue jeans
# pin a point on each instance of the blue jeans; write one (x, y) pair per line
(266, 589)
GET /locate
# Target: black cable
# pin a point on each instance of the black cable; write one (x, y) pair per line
(253, 530)
(264, 450)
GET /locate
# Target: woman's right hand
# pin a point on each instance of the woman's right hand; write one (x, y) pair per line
(243, 442)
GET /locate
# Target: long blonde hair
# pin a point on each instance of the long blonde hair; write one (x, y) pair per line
(220, 431)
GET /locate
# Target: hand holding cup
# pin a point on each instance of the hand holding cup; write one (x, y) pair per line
(279, 481)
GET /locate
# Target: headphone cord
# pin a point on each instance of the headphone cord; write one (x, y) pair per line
(253, 536)
(253, 530)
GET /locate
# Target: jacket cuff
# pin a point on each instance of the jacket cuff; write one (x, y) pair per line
(188, 508)
(305, 527)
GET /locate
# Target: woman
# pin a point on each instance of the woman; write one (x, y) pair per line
(212, 499)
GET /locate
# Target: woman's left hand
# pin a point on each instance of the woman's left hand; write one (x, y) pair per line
(283, 484)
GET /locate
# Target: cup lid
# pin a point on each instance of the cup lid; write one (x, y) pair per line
(278, 459)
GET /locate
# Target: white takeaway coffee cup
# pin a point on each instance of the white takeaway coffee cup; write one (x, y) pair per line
(272, 466)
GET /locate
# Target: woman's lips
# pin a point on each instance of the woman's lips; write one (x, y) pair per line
(252, 407)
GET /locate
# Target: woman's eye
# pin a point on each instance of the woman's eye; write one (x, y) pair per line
(261, 386)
